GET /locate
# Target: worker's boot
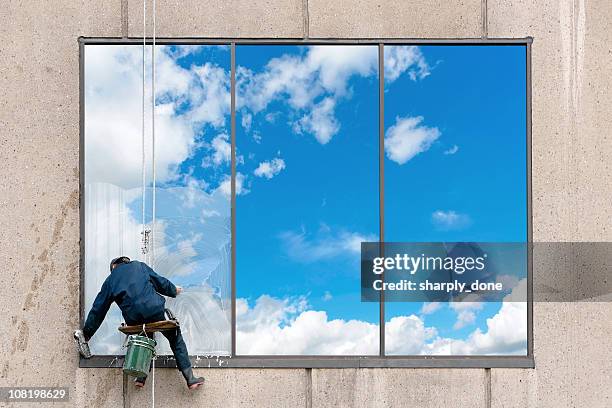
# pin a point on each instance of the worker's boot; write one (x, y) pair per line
(192, 382)
(140, 381)
(81, 343)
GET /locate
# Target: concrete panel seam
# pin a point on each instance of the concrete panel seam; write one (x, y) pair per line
(306, 22)
(126, 391)
(124, 18)
(484, 19)
(308, 388)
(487, 386)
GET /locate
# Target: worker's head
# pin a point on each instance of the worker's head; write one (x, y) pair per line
(118, 261)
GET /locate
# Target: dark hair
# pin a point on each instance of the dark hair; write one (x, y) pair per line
(118, 261)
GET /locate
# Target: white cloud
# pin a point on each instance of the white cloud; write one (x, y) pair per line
(221, 150)
(225, 187)
(449, 220)
(464, 318)
(407, 335)
(257, 138)
(247, 120)
(203, 336)
(192, 193)
(336, 64)
(276, 326)
(407, 138)
(113, 113)
(210, 213)
(506, 332)
(327, 296)
(401, 58)
(178, 258)
(210, 97)
(268, 311)
(269, 169)
(320, 121)
(189, 98)
(314, 82)
(466, 313)
(303, 78)
(325, 244)
(183, 51)
(430, 307)
(452, 150)
(289, 326)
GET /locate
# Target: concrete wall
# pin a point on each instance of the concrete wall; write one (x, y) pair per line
(39, 190)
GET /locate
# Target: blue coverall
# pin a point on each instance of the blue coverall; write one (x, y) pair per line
(137, 290)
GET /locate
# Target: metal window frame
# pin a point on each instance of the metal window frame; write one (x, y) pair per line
(316, 361)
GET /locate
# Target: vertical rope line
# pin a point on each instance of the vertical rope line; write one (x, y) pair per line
(144, 177)
(153, 136)
(121, 226)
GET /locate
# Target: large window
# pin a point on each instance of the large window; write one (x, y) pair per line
(269, 164)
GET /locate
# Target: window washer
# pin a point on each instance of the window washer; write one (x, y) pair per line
(138, 291)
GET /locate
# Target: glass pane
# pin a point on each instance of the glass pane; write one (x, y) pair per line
(455, 171)
(307, 195)
(190, 239)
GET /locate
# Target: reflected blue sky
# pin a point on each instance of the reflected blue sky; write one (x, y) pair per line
(470, 184)
(326, 193)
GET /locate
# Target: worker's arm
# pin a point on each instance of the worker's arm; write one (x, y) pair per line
(98, 311)
(161, 284)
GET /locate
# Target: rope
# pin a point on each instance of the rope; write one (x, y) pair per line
(146, 242)
(120, 215)
(153, 134)
(144, 49)
(143, 153)
(145, 232)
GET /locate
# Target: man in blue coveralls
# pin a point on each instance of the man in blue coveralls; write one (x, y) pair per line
(138, 291)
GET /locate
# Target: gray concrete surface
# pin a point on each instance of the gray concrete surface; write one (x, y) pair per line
(39, 194)
(400, 19)
(397, 388)
(221, 18)
(227, 388)
(572, 192)
(39, 152)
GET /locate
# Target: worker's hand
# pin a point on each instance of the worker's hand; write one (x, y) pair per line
(179, 290)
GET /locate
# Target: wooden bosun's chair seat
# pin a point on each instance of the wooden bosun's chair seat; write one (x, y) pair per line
(162, 325)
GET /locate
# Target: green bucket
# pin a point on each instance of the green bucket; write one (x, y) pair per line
(140, 351)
